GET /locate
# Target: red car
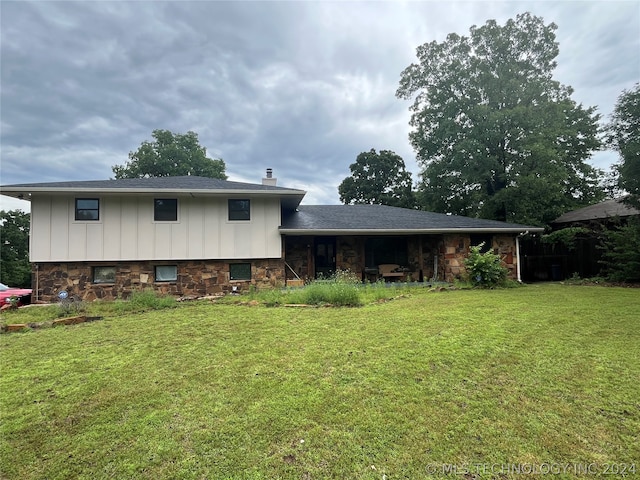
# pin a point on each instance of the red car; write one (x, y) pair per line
(22, 295)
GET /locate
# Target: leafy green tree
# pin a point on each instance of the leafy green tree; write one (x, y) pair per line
(15, 269)
(495, 135)
(378, 178)
(621, 252)
(624, 136)
(170, 154)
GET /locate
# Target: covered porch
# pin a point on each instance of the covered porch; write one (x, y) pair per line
(405, 258)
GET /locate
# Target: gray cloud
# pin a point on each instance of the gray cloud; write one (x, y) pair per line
(301, 87)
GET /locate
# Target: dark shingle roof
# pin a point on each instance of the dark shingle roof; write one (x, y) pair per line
(607, 209)
(289, 197)
(152, 183)
(335, 219)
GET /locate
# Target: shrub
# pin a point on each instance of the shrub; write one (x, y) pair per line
(334, 293)
(566, 236)
(143, 300)
(346, 276)
(485, 269)
(71, 305)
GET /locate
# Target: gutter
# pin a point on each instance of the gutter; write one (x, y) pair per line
(13, 191)
(390, 231)
(518, 276)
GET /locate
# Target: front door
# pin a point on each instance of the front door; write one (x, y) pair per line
(325, 256)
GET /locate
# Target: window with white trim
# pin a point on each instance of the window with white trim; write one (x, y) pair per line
(165, 209)
(87, 209)
(239, 209)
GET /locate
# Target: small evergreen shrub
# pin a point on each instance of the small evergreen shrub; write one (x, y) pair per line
(485, 269)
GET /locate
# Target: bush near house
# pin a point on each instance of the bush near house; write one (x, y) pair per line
(485, 269)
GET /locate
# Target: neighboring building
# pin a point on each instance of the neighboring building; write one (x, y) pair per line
(198, 236)
(543, 261)
(599, 213)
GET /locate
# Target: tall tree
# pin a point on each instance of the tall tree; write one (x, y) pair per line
(170, 154)
(624, 136)
(378, 178)
(495, 135)
(15, 269)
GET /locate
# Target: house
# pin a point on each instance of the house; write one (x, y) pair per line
(197, 236)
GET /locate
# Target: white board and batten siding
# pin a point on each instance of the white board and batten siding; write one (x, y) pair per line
(126, 230)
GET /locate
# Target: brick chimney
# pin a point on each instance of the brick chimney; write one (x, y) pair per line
(269, 180)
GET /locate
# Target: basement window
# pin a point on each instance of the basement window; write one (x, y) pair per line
(240, 271)
(166, 273)
(104, 274)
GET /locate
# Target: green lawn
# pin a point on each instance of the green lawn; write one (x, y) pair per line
(545, 376)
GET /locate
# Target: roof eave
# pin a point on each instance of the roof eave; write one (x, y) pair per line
(218, 191)
(388, 231)
(291, 198)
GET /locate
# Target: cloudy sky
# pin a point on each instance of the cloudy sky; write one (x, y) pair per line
(301, 87)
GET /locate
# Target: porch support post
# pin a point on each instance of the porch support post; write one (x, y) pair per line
(310, 264)
(420, 257)
(518, 258)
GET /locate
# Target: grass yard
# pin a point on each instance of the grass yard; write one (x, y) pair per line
(430, 385)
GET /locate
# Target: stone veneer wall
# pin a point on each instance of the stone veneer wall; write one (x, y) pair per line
(455, 249)
(351, 252)
(299, 255)
(197, 278)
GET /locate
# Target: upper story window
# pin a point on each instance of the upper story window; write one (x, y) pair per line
(87, 209)
(165, 209)
(239, 209)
